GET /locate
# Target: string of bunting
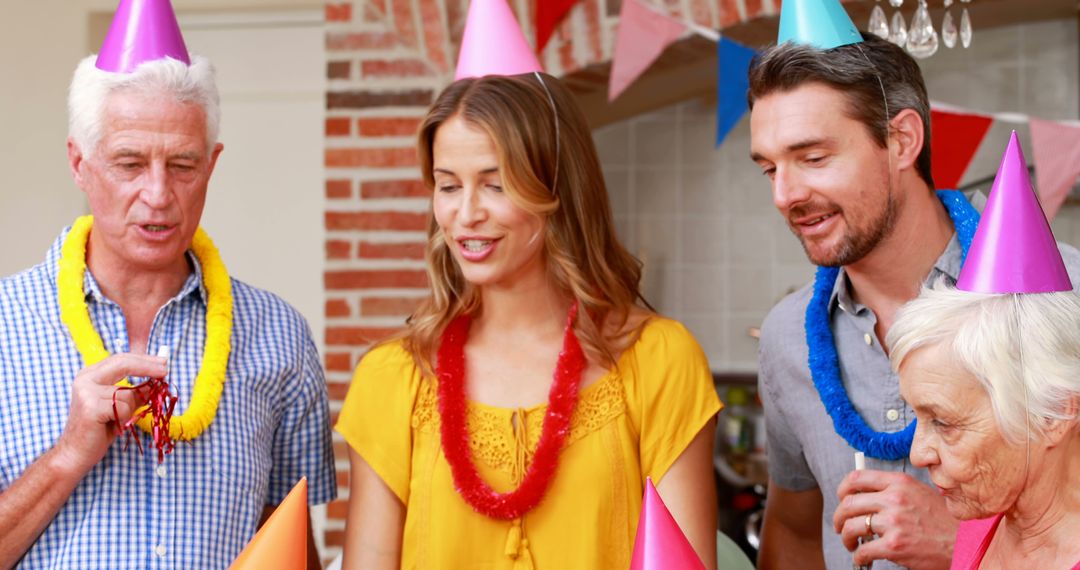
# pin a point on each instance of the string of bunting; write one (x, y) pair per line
(958, 133)
(645, 32)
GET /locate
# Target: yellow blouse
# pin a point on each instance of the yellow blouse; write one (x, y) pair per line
(633, 422)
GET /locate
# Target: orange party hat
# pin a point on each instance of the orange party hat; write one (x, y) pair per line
(282, 540)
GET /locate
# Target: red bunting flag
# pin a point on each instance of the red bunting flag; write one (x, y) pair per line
(548, 15)
(643, 35)
(956, 137)
(1056, 149)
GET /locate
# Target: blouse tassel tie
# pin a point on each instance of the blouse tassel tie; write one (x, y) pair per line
(517, 546)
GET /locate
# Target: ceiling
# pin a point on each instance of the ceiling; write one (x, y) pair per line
(687, 69)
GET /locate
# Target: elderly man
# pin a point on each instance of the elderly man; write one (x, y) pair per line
(840, 123)
(252, 416)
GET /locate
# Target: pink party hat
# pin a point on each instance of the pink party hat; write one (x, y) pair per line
(1014, 250)
(493, 43)
(660, 543)
(141, 30)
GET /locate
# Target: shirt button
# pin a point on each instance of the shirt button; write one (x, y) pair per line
(892, 415)
(869, 339)
(160, 550)
(160, 471)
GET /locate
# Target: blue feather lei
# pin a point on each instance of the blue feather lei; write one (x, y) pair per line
(825, 363)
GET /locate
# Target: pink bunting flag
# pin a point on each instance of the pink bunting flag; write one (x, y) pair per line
(1056, 149)
(643, 35)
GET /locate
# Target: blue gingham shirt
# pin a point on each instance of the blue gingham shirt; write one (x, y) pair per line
(200, 507)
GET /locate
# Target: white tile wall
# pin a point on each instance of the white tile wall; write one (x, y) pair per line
(718, 256)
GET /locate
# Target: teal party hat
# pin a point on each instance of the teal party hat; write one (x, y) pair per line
(819, 23)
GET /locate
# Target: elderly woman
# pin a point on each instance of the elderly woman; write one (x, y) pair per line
(994, 380)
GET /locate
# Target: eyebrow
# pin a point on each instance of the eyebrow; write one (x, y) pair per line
(931, 408)
(127, 153)
(794, 147)
(132, 153)
(493, 170)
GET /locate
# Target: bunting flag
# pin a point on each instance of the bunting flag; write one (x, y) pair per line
(732, 84)
(954, 140)
(1056, 149)
(548, 15)
(642, 36)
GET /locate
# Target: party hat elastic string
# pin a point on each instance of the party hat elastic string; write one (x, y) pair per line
(555, 117)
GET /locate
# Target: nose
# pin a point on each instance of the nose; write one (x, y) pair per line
(923, 453)
(155, 190)
(787, 189)
(471, 210)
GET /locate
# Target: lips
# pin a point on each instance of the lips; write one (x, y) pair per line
(157, 231)
(816, 224)
(476, 248)
(941, 489)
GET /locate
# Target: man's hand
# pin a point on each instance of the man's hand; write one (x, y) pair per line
(32, 501)
(912, 525)
(91, 425)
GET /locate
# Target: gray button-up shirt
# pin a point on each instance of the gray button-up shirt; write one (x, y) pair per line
(804, 450)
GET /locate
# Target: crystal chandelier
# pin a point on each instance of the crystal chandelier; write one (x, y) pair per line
(920, 38)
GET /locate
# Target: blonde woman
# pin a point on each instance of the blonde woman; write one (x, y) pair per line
(515, 421)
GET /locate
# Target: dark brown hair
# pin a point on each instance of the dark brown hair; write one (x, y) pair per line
(860, 71)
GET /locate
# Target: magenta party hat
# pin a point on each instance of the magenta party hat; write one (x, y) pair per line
(141, 31)
(1014, 250)
(493, 43)
(660, 543)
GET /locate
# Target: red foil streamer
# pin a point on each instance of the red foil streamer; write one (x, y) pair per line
(160, 404)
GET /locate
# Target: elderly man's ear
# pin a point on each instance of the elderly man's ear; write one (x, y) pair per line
(75, 160)
(1059, 431)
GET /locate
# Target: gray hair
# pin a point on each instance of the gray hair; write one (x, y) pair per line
(875, 75)
(91, 87)
(986, 334)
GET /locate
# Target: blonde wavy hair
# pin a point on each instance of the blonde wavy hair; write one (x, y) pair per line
(584, 257)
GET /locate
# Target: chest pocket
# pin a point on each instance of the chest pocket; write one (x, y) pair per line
(241, 439)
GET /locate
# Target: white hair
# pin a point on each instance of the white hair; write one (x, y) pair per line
(1009, 342)
(91, 87)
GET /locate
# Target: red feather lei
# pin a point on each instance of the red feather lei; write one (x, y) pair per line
(455, 436)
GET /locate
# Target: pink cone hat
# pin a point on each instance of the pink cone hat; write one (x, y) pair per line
(493, 43)
(660, 543)
(141, 30)
(1014, 250)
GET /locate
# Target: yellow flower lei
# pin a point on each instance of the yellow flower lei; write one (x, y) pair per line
(206, 392)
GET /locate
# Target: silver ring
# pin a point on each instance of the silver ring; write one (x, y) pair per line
(870, 524)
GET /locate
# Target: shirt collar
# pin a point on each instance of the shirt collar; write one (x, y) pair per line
(948, 264)
(193, 283)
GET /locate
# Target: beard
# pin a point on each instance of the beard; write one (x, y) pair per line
(858, 240)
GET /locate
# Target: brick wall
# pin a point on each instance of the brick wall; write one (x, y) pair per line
(386, 62)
